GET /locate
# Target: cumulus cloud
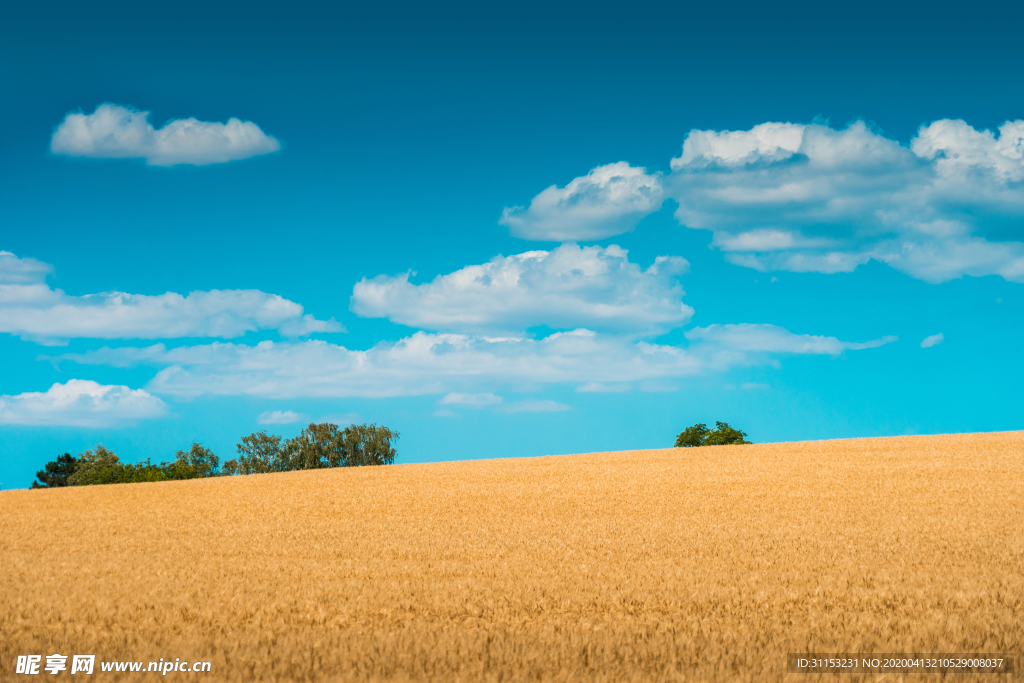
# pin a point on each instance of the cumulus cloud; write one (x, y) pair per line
(568, 287)
(115, 131)
(933, 340)
(783, 196)
(610, 200)
(32, 310)
(452, 364)
(278, 417)
(80, 403)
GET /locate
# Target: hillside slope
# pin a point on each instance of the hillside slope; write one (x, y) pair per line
(675, 564)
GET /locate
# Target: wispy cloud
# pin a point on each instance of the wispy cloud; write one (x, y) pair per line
(115, 131)
(470, 400)
(279, 417)
(454, 364)
(932, 340)
(610, 200)
(32, 310)
(568, 287)
(80, 403)
(600, 388)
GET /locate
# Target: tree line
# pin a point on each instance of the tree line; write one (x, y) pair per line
(317, 446)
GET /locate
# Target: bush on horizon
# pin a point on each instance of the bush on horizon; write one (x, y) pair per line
(700, 435)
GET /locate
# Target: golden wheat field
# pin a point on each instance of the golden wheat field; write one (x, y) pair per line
(663, 565)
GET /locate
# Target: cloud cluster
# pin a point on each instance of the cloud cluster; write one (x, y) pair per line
(568, 287)
(80, 403)
(453, 364)
(114, 131)
(610, 200)
(810, 198)
(32, 310)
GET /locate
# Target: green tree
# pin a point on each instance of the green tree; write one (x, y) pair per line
(700, 435)
(194, 463)
(692, 436)
(368, 444)
(724, 435)
(317, 446)
(324, 445)
(98, 466)
(258, 453)
(56, 472)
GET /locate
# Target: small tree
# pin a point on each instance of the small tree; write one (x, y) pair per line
(56, 472)
(700, 435)
(692, 436)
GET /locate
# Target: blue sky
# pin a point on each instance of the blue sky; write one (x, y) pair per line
(509, 230)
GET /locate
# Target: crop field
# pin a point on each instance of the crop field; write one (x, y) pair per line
(677, 564)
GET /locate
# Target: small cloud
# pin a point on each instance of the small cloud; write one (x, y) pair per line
(470, 400)
(446, 413)
(599, 388)
(279, 417)
(117, 132)
(610, 200)
(933, 340)
(775, 279)
(753, 385)
(533, 405)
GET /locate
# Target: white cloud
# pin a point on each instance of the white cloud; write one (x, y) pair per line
(453, 364)
(22, 271)
(533, 405)
(279, 417)
(610, 200)
(803, 198)
(114, 131)
(471, 400)
(32, 310)
(80, 403)
(565, 288)
(933, 340)
(599, 388)
(749, 338)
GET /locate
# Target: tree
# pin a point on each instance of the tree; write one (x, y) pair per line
(700, 435)
(692, 436)
(194, 463)
(317, 446)
(98, 466)
(324, 445)
(258, 453)
(56, 472)
(368, 444)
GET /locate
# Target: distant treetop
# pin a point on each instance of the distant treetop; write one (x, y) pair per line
(700, 435)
